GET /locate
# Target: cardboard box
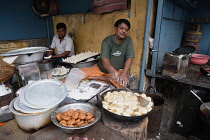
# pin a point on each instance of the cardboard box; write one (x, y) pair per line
(6, 99)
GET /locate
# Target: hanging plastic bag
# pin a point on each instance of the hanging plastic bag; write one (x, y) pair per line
(73, 78)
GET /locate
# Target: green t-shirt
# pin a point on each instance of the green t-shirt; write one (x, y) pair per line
(116, 53)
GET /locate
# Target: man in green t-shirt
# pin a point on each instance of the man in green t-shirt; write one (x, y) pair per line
(117, 52)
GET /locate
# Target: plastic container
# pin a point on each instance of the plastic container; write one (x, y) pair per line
(73, 78)
(199, 59)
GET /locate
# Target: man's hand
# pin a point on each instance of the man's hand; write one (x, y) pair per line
(114, 76)
(123, 80)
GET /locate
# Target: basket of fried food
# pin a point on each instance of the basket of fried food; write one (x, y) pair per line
(6, 71)
(76, 117)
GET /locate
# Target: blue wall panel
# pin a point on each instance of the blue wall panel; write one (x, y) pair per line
(203, 11)
(170, 37)
(168, 9)
(205, 41)
(177, 14)
(18, 21)
(73, 6)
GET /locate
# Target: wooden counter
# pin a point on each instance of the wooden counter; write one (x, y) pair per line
(135, 130)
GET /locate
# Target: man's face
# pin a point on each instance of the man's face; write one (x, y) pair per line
(121, 31)
(61, 32)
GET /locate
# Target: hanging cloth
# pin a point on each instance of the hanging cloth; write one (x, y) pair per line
(104, 6)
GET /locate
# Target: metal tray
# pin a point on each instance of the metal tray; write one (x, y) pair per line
(45, 93)
(24, 51)
(20, 107)
(84, 88)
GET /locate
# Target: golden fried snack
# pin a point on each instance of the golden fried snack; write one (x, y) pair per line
(75, 115)
(82, 116)
(90, 120)
(64, 117)
(77, 121)
(58, 116)
(70, 125)
(70, 112)
(63, 122)
(80, 123)
(89, 115)
(72, 121)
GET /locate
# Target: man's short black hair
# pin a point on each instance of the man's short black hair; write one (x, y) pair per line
(61, 25)
(118, 22)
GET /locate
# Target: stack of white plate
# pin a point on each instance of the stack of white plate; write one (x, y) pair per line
(40, 96)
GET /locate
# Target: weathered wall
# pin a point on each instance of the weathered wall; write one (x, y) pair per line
(89, 31)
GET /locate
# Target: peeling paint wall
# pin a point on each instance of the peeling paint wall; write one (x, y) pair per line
(88, 31)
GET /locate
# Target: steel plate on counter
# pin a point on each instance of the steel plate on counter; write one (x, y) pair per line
(45, 93)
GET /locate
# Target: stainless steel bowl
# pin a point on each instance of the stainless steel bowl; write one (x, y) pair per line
(45, 66)
(29, 58)
(83, 106)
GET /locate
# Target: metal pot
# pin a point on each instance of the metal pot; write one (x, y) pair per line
(120, 117)
(204, 109)
(33, 121)
(44, 66)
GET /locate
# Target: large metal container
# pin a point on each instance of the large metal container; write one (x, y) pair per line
(29, 58)
(26, 55)
(175, 66)
(33, 121)
(83, 106)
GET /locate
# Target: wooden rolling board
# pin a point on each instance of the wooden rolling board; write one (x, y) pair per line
(97, 132)
(132, 130)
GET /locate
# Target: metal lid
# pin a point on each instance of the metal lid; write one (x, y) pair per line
(45, 93)
(24, 51)
(20, 107)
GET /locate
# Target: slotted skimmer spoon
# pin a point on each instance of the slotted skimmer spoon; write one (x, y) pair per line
(199, 99)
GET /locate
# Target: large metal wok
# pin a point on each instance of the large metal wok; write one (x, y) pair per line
(26, 55)
(120, 117)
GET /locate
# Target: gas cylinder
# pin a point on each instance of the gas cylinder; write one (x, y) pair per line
(192, 36)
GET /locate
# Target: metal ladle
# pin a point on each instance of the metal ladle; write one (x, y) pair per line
(199, 99)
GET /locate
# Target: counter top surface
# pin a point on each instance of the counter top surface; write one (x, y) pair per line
(106, 129)
(194, 77)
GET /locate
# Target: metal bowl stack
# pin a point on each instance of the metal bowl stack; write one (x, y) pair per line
(82, 106)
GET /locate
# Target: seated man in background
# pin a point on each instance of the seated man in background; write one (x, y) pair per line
(117, 52)
(63, 44)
